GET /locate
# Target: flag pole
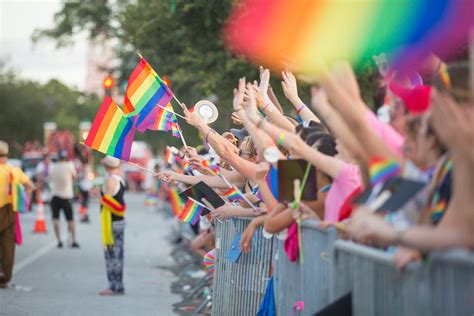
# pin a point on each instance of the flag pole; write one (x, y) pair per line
(167, 110)
(139, 167)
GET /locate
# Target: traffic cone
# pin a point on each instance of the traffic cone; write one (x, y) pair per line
(40, 224)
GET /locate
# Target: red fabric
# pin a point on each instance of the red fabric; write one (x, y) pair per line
(291, 245)
(347, 206)
(416, 99)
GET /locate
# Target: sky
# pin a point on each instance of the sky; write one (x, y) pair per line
(43, 61)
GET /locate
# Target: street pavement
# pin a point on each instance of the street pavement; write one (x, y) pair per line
(51, 281)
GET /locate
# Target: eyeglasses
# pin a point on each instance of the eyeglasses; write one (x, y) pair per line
(241, 152)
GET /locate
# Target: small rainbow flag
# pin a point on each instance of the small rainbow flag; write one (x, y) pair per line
(191, 212)
(169, 156)
(18, 197)
(381, 169)
(232, 195)
(166, 121)
(213, 166)
(209, 260)
(145, 90)
(112, 132)
(175, 201)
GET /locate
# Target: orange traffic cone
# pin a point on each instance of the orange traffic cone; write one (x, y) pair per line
(40, 224)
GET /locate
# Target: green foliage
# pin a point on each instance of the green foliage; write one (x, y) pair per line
(185, 46)
(26, 105)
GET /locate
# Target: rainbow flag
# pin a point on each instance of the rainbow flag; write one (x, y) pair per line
(175, 201)
(112, 132)
(209, 260)
(278, 33)
(18, 197)
(145, 90)
(191, 212)
(169, 156)
(213, 166)
(166, 121)
(232, 195)
(381, 169)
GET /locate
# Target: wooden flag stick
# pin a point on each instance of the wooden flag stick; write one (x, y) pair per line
(140, 167)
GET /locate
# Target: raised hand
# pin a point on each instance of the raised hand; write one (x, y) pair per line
(192, 119)
(290, 88)
(264, 83)
(236, 119)
(251, 105)
(319, 99)
(239, 94)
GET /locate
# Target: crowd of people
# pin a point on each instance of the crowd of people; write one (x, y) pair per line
(428, 139)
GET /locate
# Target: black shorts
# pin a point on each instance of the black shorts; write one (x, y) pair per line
(58, 204)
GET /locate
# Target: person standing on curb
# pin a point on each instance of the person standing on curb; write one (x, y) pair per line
(9, 176)
(112, 220)
(61, 177)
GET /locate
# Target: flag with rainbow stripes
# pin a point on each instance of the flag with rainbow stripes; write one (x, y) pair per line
(191, 212)
(232, 195)
(382, 169)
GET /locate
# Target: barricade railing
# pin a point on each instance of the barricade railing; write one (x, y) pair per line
(239, 287)
(451, 276)
(377, 287)
(306, 282)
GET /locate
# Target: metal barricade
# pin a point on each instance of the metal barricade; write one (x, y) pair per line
(452, 282)
(239, 287)
(309, 281)
(377, 287)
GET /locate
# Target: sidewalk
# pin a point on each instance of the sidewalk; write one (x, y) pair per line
(66, 281)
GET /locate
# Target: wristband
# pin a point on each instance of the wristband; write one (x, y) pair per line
(207, 135)
(265, 107)
(300, 109)
(280, 139)
(293, 205)
(262, 119)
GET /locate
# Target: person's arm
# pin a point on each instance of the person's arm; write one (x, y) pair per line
(279, 219)
(290, 89)
(263, 188)
(329, 165)
(212, 181)
(261, 140)
(352, 110)
(266, 105)
(25, 181)
(110, 186)
(227, 211)
(247, 235)
(336, 124)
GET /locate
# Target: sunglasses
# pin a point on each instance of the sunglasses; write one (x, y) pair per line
(241, 152)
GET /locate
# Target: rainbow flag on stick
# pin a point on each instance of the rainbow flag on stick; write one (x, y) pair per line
(381, 169)
(166, 121)
(112, 132)
(145, 90)
(175, 201)
(213, 166)
(232, 195)
(191, 212)
(169, 156)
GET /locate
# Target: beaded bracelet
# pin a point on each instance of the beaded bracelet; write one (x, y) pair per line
(301, 108)
(280, 139)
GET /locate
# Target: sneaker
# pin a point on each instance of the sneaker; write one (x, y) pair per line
(74, 245)
(85, 219)
(60, 244)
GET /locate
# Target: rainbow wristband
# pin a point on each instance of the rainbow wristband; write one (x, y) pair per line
(280, 139)
(293, 205)
(301, 108)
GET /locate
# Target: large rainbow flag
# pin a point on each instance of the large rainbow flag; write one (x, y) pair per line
(278, 33)
(145, 90)
(112, 132)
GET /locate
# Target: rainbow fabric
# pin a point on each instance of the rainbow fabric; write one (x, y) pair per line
(111, 133)
(175, 201)
(301, 33)
(381, 169)
(191, 212)
(109, 206)
(145, 90)
(232, 195)
(213, 166)
(209, 260)
(17, 195)
(166, 121)
(169, 156)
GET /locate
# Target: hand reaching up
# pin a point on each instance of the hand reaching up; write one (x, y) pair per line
(192, 119)
(290, 88)
(239, 94)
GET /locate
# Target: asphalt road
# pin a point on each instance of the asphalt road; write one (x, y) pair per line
(51, 281)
